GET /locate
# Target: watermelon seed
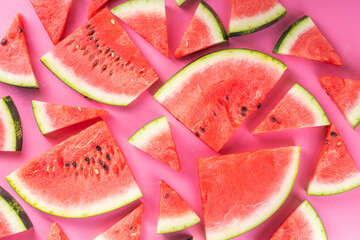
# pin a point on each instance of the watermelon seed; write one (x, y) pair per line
(69, 43)
(202, 129)
(86, 52)
(77, 46)
(327, 142)
(100, 51)
(244, 109)
(197, 134)
(333, 134)
(243, 114)
(96, 40)
(112, 54)
(53, 168)
(21, 30)
(87, 160)
(101, 162)
(108, 156)
(214, 114)
(132, 228)
(67, 164)
(122, 65)
(3, 42)
(88, 26)
(92, 159)
(259, 106)
(112, 21)
(104, 67)
(167, 195)
(96, 62)
(92, 32)
(274, 119)
(107, 50)
(91, 38)
(48, 168)
(74, 163)
(97, 46)
(110, 73)
(227, 97)
(98, 148)
(117, 59)
(106, 167)
(96, 171)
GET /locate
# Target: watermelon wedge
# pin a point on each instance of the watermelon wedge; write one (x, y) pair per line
(11, 134)
(156, 139)
(56, 233)
(95, 6)
(180, 2)
(100, 61)
(240, 191)
(13, 218)
(148, 19)
(303, 223)
(89, 167)
(15, 63)
(127, 228)
(303, 39)
(51, 117)
(213, 95)
(174, 213)
(205, 30)
(297, 109)
(345, 93)
(53, 15)
(336, 171)
(248, 16)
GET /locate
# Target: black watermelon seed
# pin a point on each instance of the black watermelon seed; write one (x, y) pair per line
(132, 228)
(259, 105)
(96, 40)
(117, 59)
(97, 46)
(81, 169)
(21, 30)
(67, 164)
(98, 148)
(197, 134)
(101, 162)
(92, 32)
(122, 65)
(74, 163)
(243, 114)
(110, 73)
(244, 109)
(87, 160)
(333, 134)
(100, 51)
(106, 167)
(327, 142)
(214, 114)
(96, 62)
(108, 156)
(86, 52)
(273, 119)
(202, 129)
(104, 67)
(107, 50)
(3, 42)
(92, 159)
(227, 98)
(177, 119)
(91, 38)
(88, 26)
(167, 195)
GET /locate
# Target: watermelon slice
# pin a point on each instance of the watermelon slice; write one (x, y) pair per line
(127, 228)
(303, 39)
(13, 218)
(156, 139)
(95, 6)
(53, 15)
(15, 63)
(297, 109)
(100, 61)
(148, 19)
(179, 2)
(240, 191)
(56, 233)
(303, 223)
(213, 95)
(336, 171)
(205, 30)
(248, 16)
(174, 213)
(89, 167)
(51, 117)
(345, 93)
(11, 134)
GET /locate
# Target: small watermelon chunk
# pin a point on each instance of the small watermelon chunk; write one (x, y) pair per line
(56, 233)
(95, 6)
(345, 93)
(13, 218)
(213, 95)
(174, 213)
(89, 167)
(303, 39)
(15, 63)
(100, 61)
(240, 191)
(297, 109)
(11, 134)
(180, 2)
(247, 16)
(336, 171)
(51, 117)
(303, 223)
(156, 139)
(53, 15)
(148, 19)
(127, 228)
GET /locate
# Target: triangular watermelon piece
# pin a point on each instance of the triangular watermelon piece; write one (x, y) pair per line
(95, 6)
(345, 93)
(297, 109)
(148, 19)
(336, 171)
(303, 223)
(15, 63)
(56, 233)
(51, 117)
(303, 39)
(205, 30)
(239, 191)
(127, 228)
(174, 213)
(53, 15)
(89, 167)
(247, 16)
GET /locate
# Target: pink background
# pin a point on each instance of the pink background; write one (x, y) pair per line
(338, 20)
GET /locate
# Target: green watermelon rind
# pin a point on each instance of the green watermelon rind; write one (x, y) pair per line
(133, 6)
(40, 117)
(177, 223)
(180, 2)
(26, 81)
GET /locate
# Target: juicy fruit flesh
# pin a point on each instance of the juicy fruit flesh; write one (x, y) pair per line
(247, 8)
(95, 6)
(5, 226)
(56, 233)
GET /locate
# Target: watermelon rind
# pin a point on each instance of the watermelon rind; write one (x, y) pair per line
(132, 6)
(20, 80)
(256, 23)
(175, 224)
(179, 2)
(12, 123)
(41, 117)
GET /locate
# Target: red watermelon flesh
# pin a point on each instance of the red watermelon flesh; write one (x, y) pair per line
(89, 166)
(128, 228)
(345, 93)
(5, 226)
(53, 15)
(56, 233)
(95, 6)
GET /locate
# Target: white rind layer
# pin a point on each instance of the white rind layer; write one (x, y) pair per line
(353, 116)
(41, 117)
(10, 128)
(177, 223)
(179, 2)
(18, 79)
(11, 216)
(130, 8)
(240, 226)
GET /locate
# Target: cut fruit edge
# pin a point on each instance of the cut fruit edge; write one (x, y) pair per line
(177, 223)
(27, 81)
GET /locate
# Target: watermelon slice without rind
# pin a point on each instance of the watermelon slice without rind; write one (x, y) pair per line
(147, 18)
(297, 109)
(56, 233)
(336, 171)
(156, 139)
(88, 166)
(51, 117)
(174, 213)
(303, 223)
(240, 191)
(95, 6)
(303, 39)
(15, 63)
(205, 30)
(213, 95)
